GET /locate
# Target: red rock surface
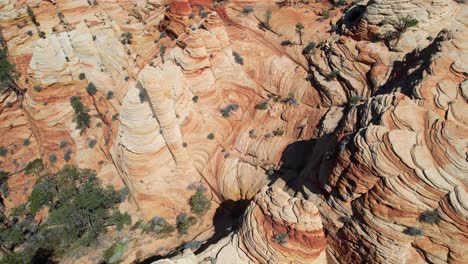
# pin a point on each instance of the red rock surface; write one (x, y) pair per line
(373, 133)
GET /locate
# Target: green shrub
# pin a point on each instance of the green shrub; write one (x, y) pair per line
(67, 155)
(126, 38)
(247, 10)
(52, 158)
(3, 151)
(34, 167)
(26, 142)
(299, 30)
(115, 253)
(63, 143)
(280, 238)
(325, 13)
(229, 109)
(430, 217)
(158, 226)
(278, 132)
(4, 190)
(79, 207)
(413, 231)
(92, 143)
(6, 69)
(340, 3)
(79, 210)
(91, 88)
(332, 75)
(142, 95)
(310, 47)
(262, 105)
(184, 223)
(199, 203)
(237, 58)
(267, 15)
(82, 76)
(37, 88)
(81, 118)
(402, 24)
(210, 136)
(195, 99)
(354, 100)
(110, 95)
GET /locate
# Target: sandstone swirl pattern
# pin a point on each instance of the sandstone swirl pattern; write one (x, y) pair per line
(358, 139)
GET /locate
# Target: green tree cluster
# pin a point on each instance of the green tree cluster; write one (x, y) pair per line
(79, 210)
(82, 118)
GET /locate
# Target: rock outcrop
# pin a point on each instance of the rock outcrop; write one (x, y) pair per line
(276, 228)
(341, 144)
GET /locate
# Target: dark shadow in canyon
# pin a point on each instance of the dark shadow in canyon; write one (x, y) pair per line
(409, 72)
(227, 219)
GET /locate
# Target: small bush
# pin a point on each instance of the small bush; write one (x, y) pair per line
(110, 95)
(115, 117)
(332, 75)
(126, 38)
(262, 105)
(354, 100)
(247, 10)
(91, 89)
(67, 155)
(340, 3)
(142, 95)
(430, 217)
(199, 203)
(310, 47)
(3, 151)
(115, 253)
(34, 167)
(210, 136)
(237, 58)
(63, 143)
(413, 231)
(280, 238)
(92, 143)
(82, 76)
(26, 142)
(402, 24)
(325, 13)
(184, 223)
(290, 100)
(195, 99)
(278, 132)
(227, 111)
(158, 226)
(252, 133)
(52, 158)
(37, 88)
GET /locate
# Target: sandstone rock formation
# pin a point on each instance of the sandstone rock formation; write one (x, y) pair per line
(340, 144)
(276, 229)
